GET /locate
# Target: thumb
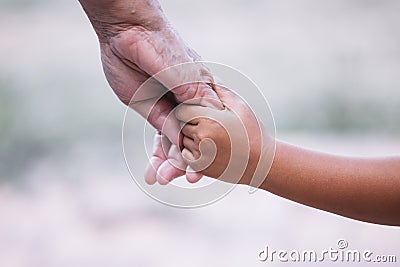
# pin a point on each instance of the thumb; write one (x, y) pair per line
(228, 97)
(191, 83)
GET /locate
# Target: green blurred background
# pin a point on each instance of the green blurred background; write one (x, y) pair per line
(330, 70)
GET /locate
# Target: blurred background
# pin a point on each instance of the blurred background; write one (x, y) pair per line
(330, 70)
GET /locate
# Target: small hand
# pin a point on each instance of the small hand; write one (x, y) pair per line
(226, 144)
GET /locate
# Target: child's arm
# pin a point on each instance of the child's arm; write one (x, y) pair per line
(358, 188)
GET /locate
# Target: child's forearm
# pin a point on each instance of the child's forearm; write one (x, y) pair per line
(358, 188)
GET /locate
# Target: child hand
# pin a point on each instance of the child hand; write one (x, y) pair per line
(225, 144)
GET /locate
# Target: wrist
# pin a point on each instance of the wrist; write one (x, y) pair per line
(260, 162)
(272, 181)
(110, 18)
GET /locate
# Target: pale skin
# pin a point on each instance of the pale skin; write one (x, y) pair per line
(137, 41)
(365, 189)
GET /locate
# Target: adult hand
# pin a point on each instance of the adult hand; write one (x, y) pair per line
(137, 42)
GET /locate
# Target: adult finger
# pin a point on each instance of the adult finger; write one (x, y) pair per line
(158, 112)
(173, 167)
(161, 144)
(230, 99)
(163, 166)
(192, 176)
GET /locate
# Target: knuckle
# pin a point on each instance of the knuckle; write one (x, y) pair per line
(200, 135)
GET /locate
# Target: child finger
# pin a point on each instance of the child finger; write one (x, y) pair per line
(188, 155)
(191, 146)
(189, 131)
(192, 113)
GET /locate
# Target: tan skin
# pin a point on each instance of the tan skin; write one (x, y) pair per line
(228, 130)
(137, 41)
(365, 189)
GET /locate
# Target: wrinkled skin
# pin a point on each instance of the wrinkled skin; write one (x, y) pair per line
(136, 42)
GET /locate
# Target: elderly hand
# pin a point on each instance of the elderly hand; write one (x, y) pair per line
(136, 43)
